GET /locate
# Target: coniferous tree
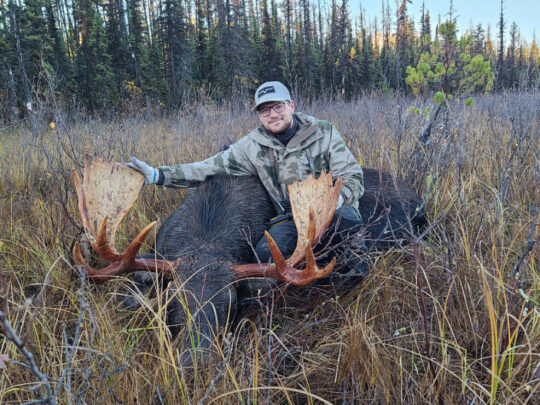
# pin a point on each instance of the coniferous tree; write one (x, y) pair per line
(402, 44)
(478, 41)
(367, 67)
(304, 48)
(387, 60)
(8, 94)
(117, 51)
(33, 46)
(344, 45)
(450, 67)
(177, 51)
(201, 43)
(500, 72)
(425, 30)
(511, 63)
(60, 63)
(288, 16)
(271, 54)
(238, 66)
(534, 66)
(138, 55)
(94, 75)
(118, 45)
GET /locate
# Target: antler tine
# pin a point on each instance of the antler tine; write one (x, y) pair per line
(103, 248)
(101, 244)
(312, 271)
(133, 248)
(311, 264)
(279, 260)
(77, 255)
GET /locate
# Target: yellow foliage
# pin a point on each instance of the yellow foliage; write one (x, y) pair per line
(352, 53)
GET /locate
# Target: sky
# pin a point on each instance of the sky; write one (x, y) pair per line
(526, 13)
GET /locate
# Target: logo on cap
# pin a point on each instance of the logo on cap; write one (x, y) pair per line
(266, 90)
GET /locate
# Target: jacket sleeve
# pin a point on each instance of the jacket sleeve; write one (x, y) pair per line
(343, 163)
(231, 161)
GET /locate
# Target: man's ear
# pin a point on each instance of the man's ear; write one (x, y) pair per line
(291, 103)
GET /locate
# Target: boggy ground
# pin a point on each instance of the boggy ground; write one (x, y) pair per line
(452, 318)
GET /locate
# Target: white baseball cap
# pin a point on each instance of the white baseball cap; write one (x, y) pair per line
(271, 91)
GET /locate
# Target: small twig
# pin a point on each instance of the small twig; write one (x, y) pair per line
(3, 289)
(75, 345)
(37, 401)
(159, 398)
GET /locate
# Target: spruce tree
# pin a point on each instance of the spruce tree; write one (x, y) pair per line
(118, 45)
(500, 71)
(510, 61)
(177, 50)
(96, 81)
(8, 59)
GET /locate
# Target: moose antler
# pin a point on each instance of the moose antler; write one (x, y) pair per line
(313, 203)
(106, 194)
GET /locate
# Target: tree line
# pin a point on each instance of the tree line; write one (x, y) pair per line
(97, 55)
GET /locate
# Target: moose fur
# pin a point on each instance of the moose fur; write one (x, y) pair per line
(218, 224)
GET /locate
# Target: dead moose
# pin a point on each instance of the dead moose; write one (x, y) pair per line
(205, 246)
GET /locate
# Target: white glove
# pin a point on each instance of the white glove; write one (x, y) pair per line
(340, 201)
(150, 173)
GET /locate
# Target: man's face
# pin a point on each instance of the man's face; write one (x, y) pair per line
(276, 116)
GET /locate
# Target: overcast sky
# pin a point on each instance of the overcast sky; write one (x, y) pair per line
(526, 13)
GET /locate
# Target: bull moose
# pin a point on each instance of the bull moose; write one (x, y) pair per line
(205, 246)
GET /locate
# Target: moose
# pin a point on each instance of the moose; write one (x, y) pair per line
(204, 248)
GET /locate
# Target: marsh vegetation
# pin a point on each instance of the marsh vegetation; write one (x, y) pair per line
(450, 318)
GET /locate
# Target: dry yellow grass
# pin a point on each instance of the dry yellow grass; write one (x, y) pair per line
(480, 176)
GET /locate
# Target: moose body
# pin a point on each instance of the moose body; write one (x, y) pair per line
(220, 221)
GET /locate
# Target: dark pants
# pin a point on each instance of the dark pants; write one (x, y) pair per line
(345, 224)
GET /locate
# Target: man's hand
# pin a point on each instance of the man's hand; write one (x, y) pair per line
(150, 173)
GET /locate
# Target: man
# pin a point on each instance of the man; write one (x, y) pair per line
(286, 147)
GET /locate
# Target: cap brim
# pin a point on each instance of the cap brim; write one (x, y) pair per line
(272, 99)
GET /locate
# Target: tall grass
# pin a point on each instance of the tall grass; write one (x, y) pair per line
(451, 318)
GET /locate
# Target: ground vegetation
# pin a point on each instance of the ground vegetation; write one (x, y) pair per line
(451, 318)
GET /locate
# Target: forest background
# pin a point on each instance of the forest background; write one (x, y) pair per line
(109, 55)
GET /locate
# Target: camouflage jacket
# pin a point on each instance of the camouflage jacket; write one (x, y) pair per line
(315, 146)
